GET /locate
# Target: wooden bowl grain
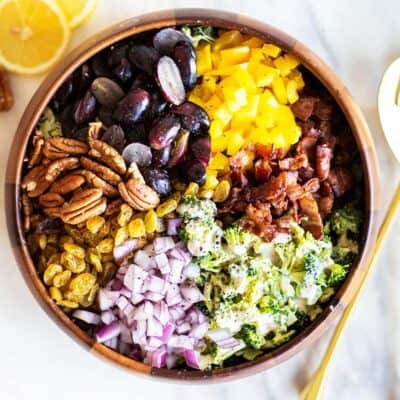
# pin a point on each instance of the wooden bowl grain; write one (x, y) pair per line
(223, 20)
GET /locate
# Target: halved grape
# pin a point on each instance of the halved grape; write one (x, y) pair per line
(115, 137)
(170, 81)
(123, 71)
(201, 148)
(164, 131)
(85, 108)
(179, 148)
(166, 39)
(161, 157)
(158, 179)
(185, 57)
(137, 153)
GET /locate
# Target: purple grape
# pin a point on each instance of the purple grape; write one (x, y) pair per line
(137, 153)
(85, 108)
(137, 133)
(158, 104)
(67, 120)
(83, 78)
(105, 115)
(106, 91)
(115, 137)
(163, 131)
(166, 39)
(161, 157)
(185, 57)
(193, 117)
(200, 147)
(158, 179)
(99, 65)
(65, 92)
(123, 71)
(79, 134)
(143, 57)
(117, 53)
(132, 107)
(194, 171)
(179, 148)
(169, 80)
(143, 81)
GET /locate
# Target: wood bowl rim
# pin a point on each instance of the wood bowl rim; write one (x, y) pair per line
(220, 19)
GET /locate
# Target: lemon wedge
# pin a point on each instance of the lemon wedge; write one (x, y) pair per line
(34, 34)
(77, 11)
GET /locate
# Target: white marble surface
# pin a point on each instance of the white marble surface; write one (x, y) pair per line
(358, 38)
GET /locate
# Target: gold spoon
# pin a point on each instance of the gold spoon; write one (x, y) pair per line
(389, 113)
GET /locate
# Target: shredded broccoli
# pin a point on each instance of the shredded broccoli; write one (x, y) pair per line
(198, 33)
(312, 265)
(238, 240)
(49, 125)
(248, 333)
(345, 220)
(337, 275)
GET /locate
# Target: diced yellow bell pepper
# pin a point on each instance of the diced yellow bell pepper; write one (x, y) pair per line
(271, 50)
(245, 80)
(216, 128)
(246, 114)
(258, 135)
(298, 78)
(197, 100)
(235, 55)
(204, 61)
(286, 63)
(222, 114)
(291, 90)
(209, 85)
(228, 39)
(219, 162)
(253, 42)
(265, 120)
(267, 98)
(235, 98)
(264, 75)
(219, 143)
(279, 89)
(212, 104)
(228, 70)
(235, 141)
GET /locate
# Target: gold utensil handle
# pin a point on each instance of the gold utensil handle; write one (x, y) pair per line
(312, 390)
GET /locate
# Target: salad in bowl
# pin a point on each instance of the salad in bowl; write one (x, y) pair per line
(191, 197)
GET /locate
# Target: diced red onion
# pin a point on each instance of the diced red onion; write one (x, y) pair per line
(117, 284)
(183, 328)
(180, 341)
(122, 302)
(136, 298)
(176, 313)
(125, 336)
(173, 226)
(217, 335)
(170, 361)
(162, 263)
(112, 343)
(168, 330)
(192, 358)
(163, 244)
(191, 293)
(154, 342)
(155, 297)
(134, 278)
(228, 343)
(125, 292)
(107, 298)
(198, 331)
(161, 312)
(124, 250)
(107, 332)
(144, 311)
(154, 284)
(176, 270)
(87, 316)
(143, 260)
(154, 327)
(159, 357)
(191, 271)
(149, 249)
(107, 317)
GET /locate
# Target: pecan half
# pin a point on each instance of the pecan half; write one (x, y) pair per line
(113, 208)
(108, 155)
(67, 183)
(61, 147)
(97, 182)
(35, 182)
(6, 95)
(133, 172)
(27, 210)
(94, 131)
(51, 200)
(52, 211)
(102, 171)
(82, 206)
(38, 143)
(59, 166)
(138, 195)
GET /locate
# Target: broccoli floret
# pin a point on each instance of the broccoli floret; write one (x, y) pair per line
(302, 320)
(49, 125)
(343, 255)
(199, 33)
(345, 220)
(311, 268)
(238, 240)
(212, 261)
(248, 333)
(269, 305)
(337, 275)
(192, 208)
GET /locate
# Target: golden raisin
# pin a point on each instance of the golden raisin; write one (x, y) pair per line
(136, 228)
(42, 241)
(65, 239)
(94, 259)
(55, 294)
(150, 221)
(75, 250)
(221, 192)
(68, 304)
(71, 296)
(167, 207)
(82, 283)
(121, 235)
(73, 263)
(125, 215)
(94, 224)
(62, 278)
(206, 194)
(51, 271)
(105, 246)
(192, 189)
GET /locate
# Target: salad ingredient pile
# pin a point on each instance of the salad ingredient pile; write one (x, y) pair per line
(192, 197)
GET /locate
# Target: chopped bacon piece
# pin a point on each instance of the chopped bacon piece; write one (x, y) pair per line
(323, 157)
(311, 186)
(304, 107)
(306, 146)
(294, 163)
(271, 189)
(309, 129)
(313, 221)
(323, 110)
(262, 170)
(238, 178)
(325, 203)
(306, 173)
(340, 180)
(268, 151)
(241, 160)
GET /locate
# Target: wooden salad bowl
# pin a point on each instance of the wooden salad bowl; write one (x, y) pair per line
(220, 19)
